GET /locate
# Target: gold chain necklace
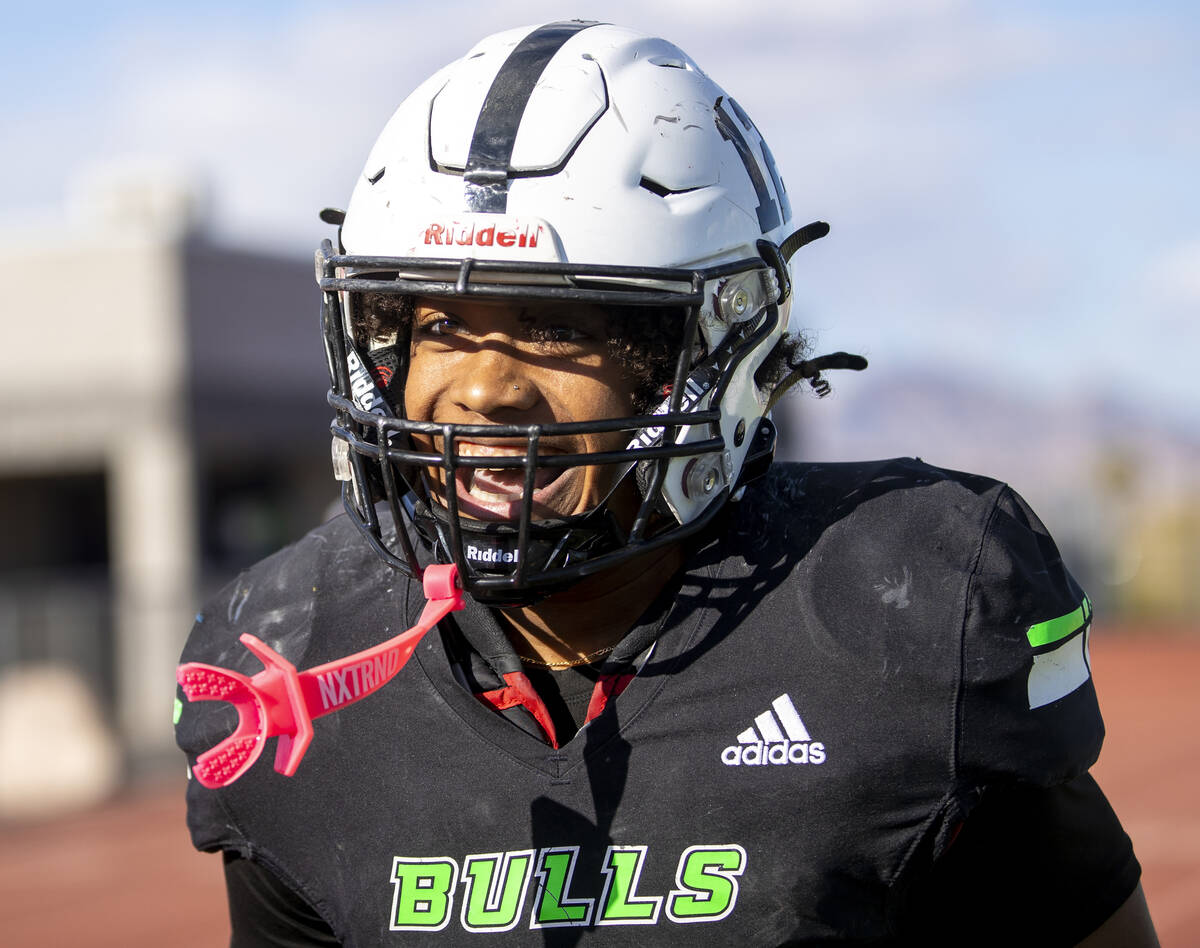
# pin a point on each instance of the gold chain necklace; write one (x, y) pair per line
(586, 660)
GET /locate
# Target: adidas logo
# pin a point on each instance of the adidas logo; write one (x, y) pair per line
(772, 743)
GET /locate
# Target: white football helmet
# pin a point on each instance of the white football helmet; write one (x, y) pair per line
(582, 161)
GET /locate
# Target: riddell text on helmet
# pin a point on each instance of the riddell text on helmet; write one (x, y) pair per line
(468, 235)
(362, 386)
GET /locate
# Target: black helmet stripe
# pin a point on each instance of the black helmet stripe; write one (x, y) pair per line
(768, 210)
(487, 170)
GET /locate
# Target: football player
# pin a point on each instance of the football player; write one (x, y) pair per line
(689, 696)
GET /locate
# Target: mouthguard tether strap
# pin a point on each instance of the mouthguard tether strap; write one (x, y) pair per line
(282, 702)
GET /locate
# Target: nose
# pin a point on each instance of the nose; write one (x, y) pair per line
(494, 382)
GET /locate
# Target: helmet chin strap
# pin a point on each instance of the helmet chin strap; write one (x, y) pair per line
(494, 548)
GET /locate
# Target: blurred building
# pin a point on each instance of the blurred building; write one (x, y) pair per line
(161, 426)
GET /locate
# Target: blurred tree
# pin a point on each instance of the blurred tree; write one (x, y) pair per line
(1166, 584)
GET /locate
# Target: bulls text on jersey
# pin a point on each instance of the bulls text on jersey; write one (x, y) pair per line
(495, 889)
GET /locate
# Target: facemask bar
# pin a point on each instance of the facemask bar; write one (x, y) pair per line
(381, 452)
(357, 497)
(375, 455)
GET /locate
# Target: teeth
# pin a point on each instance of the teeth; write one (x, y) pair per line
(494, 498)
(486, 451)
(488, 496)
(500, 484)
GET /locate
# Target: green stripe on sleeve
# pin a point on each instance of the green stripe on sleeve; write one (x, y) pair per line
(1052, 630)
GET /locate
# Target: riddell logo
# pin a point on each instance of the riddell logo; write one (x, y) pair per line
(771, 744)
(362, 386)
(485, 554)
(468, 235)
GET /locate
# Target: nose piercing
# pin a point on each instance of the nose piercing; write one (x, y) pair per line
(517, 387)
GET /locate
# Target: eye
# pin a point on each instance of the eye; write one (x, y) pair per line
(439, 324)
(566, 330)
(557, 333)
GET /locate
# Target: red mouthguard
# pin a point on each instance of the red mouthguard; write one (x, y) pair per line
(282, 702)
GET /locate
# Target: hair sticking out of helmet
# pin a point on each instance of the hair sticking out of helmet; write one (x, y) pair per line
(811, 370)
(574, 164)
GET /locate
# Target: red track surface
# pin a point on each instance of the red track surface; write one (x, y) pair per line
(125, 876)
(1150, 768)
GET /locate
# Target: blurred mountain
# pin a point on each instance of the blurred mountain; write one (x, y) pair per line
(1031, 441)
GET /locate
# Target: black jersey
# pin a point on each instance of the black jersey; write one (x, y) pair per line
(859, 656)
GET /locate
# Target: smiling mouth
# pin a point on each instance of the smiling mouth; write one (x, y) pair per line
(496, 493)
(501, 485)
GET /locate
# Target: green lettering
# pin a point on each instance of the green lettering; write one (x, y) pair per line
(423, 897)
(553, 908)
(622, 906)
(708, 885)
(495, 891)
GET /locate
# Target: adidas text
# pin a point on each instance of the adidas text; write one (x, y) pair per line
(786, 752)
(777, 737)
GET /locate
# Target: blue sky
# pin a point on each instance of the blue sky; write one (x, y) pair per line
(1012, 186)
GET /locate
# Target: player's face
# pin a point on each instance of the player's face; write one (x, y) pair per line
(484, 362)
